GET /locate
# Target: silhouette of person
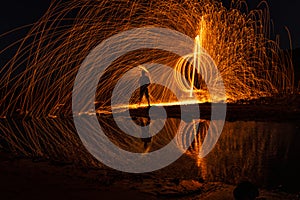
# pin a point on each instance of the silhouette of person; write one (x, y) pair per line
(245, 191)
(145, 121)
(144, 83)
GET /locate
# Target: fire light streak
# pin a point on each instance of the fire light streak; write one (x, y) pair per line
(38, 80)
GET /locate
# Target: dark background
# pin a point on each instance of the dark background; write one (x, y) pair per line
(16, 13)
(283, 14)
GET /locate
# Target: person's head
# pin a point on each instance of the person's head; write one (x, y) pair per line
(245, 191)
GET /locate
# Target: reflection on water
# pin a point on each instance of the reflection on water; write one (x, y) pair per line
(267, 153)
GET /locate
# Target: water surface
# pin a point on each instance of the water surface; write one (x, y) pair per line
(267, 153)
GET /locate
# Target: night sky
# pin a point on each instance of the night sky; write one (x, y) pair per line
(15, 13)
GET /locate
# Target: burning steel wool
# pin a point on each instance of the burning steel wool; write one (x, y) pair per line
(38, 80)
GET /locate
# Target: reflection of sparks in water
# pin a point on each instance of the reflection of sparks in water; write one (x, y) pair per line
(226, 162)
(57, 139)
(48, 58)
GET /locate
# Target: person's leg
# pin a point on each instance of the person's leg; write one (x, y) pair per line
(147, 96)
(142, 91)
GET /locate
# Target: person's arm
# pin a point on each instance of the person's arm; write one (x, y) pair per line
(148, 80)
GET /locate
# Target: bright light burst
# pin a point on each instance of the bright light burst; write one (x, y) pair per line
(38, 80)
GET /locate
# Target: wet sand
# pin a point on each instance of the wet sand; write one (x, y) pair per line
(27, 179)
(23, 178)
